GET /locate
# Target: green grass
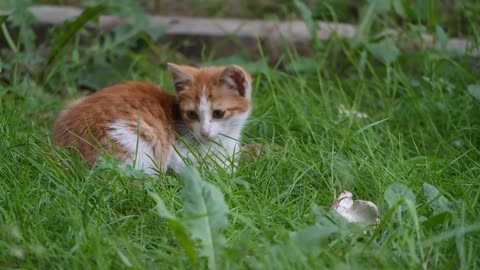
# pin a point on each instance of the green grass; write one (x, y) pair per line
(423, 127)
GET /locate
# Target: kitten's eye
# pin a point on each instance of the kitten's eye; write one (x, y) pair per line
(218, 114)
(192, 115)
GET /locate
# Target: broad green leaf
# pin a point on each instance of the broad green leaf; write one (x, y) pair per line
(161, 208)
(103, 72)
(385, 51)
(309, 239)
(327, 218)
(205, 214)
(442, 37)
(436, 220)
(177, 227)
(399, 8)
(154, 32)
(381, 6)
(437, 201)
(396, 192)
(474, 90)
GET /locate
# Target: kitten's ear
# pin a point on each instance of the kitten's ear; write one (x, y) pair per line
(181, 79)
(236, 78)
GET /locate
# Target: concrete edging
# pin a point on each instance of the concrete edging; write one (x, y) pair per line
(273, 35)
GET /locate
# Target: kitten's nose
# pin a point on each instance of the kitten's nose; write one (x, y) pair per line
(205, 132)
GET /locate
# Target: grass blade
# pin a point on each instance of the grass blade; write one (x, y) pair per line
(311, 25)
(369, 126)
(6, 34)
(3, 18)
(72, 28)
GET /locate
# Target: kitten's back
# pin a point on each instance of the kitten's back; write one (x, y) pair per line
(110, 120)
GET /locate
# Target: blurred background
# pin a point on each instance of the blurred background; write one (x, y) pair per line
(455, 16)
(384, 31)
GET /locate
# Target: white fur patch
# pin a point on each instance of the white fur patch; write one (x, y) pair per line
(204, 111)
(141, 151)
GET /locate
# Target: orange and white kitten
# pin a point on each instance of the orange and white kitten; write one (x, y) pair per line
(143, 125)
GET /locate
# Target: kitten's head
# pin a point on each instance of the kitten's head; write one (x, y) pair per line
(213, 101)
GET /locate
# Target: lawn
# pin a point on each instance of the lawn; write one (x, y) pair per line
(396, 127)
